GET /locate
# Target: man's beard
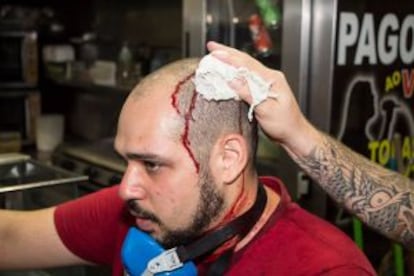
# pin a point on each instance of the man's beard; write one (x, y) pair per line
(210, 205)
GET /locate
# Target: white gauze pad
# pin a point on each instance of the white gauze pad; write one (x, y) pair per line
(212, 77)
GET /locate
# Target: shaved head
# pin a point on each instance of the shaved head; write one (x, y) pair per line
(169, 76)
(201, 122)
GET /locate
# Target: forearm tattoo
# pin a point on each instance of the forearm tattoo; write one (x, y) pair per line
(383, 199)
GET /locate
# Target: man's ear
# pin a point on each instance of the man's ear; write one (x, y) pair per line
(229, 158)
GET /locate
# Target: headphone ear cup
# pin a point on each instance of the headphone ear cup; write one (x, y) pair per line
(140, 248)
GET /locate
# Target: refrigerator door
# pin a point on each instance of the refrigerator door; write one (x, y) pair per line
(194, 28)
(251, 26)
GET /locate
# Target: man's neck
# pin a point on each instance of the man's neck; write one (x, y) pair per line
(244, 201)
(235, 243)
(273, 200)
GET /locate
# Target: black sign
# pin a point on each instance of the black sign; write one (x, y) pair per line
(373, 85)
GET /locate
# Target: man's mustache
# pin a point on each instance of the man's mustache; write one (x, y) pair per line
(140, 212)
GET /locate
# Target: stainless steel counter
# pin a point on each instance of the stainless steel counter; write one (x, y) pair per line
(26, 183)
(20, 173)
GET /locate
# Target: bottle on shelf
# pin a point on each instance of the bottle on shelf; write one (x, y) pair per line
(270, 13)
(125, 66)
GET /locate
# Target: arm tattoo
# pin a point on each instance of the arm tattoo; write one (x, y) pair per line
(383, 199)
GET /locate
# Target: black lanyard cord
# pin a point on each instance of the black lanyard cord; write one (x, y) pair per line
(240, 226)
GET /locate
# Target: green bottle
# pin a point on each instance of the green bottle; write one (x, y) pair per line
(270, 13)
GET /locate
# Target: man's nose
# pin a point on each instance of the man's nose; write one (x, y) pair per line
(132, 184)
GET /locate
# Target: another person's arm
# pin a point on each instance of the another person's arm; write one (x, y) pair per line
(28, 240)
(381, 198)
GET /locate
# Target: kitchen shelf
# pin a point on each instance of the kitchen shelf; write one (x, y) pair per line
(91, 87)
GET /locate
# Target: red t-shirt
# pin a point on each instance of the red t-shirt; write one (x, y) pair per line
(293, 242)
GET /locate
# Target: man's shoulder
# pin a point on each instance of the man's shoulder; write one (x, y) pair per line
(307, 229)
(301, 242)
(297, 240)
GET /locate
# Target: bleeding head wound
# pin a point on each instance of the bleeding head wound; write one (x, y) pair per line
(212, 82)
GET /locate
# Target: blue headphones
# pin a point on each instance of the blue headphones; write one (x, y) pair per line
(143, 256)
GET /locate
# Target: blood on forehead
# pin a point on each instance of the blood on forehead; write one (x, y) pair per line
(186, 111)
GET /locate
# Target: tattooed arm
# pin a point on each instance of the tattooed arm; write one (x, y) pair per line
(381, 198)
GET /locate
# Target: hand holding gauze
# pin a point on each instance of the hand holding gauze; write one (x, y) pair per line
(212, 81)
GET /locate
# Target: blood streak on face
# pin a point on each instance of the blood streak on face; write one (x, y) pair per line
(187, 117)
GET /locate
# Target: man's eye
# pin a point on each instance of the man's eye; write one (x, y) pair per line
(152, 166)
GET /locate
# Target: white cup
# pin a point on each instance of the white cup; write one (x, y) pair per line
(49, 132)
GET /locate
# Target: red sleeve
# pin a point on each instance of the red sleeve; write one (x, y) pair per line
(90, 226)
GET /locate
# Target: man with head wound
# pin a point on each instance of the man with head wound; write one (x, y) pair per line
(191, 173)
